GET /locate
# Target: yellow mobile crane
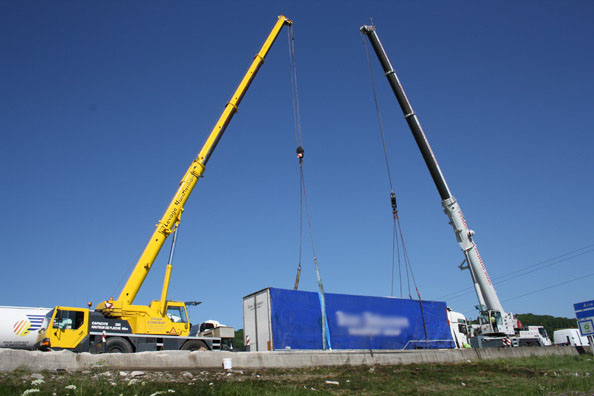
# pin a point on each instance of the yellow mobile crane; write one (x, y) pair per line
(118, 325)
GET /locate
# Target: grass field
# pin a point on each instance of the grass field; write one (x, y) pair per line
(554, 375)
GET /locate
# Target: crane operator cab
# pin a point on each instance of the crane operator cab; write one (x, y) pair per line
(177, 314)
(490, 322)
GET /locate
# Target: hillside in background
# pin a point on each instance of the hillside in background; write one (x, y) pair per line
(550, 323)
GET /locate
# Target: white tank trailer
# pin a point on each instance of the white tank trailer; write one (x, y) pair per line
(19, 326)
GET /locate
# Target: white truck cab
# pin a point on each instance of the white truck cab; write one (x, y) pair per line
(459, 328)
(537, 333)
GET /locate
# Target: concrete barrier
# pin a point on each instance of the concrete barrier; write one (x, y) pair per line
(11, 359)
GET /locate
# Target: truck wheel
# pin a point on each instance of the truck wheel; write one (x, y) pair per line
(118, 345)
(194, 345)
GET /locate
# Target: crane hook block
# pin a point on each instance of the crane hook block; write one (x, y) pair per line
(300, 152)
(393, 200)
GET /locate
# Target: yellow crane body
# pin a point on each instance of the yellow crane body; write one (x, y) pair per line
(160, 317)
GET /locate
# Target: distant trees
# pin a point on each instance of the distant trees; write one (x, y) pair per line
(550, 323)
(238, 340)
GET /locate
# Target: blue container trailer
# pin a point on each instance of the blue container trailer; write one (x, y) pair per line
(280, 319)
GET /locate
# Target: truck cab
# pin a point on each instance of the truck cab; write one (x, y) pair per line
(459, 328)
(66, 328)
(534, 336)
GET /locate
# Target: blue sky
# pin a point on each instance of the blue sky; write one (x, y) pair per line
(105, 104)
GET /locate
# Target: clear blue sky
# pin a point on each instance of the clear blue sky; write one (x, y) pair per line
(104, 105)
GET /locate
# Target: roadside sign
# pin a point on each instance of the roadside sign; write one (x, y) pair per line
(584, 312)
(586, 327)
(583, 305)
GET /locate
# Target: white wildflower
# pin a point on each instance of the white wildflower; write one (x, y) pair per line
(37, 382)
(29, 391)
(73, 387)
(157, 393)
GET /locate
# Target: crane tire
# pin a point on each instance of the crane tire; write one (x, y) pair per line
(194, 345)
(118, 345)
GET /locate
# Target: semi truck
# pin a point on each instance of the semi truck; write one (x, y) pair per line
(19, 326)
(496, 326)
(117, 325)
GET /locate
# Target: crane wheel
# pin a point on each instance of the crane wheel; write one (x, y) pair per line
(194, 345)
(118, 345)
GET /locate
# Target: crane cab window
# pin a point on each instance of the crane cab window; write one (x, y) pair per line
(67, 320)
(177, 314)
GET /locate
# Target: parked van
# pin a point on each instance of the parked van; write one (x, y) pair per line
(570, 337)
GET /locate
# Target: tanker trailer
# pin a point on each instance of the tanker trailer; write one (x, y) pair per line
(19, 326)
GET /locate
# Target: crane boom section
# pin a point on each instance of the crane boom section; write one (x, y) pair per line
(172, 215)
(484, 287)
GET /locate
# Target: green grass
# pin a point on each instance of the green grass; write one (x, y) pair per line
(554, 375)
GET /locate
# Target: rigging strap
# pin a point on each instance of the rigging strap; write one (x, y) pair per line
(303, 194)
(397, 235)
(300, 153)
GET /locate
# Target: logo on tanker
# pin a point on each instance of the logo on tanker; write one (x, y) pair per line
(26, 326)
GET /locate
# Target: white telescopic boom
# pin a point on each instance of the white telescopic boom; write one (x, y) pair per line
(482, 282)
(485, 291)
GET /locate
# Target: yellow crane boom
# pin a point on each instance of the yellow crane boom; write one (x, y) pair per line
(172, 215)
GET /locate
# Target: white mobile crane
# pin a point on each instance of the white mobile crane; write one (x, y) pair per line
(496, 327)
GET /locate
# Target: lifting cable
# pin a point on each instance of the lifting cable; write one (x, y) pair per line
(397, 235)
(303, 193)
(298, 140)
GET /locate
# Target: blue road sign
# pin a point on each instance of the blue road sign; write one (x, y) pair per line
(583, 305)
(584, 312)
(589, 313)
